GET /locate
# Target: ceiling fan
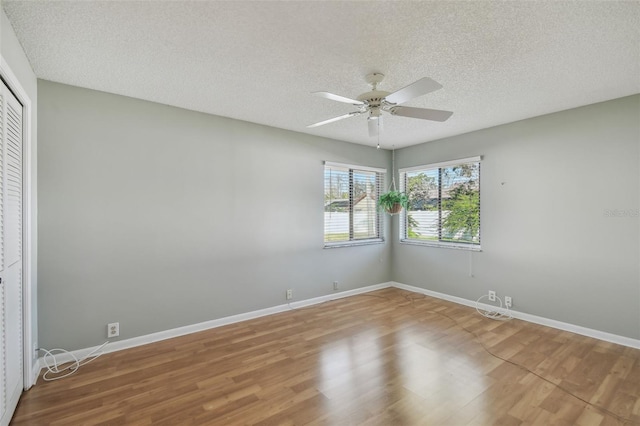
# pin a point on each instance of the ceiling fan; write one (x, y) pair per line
(375, 102)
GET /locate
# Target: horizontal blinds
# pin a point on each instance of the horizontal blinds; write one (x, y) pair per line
(350, 203)
(353, 166)
(442, 164)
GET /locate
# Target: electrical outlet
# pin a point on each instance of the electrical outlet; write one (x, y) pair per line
(113, 329)
(36, 352)
(492, 295)
(507, 301)
(335, 285)
(289, 294)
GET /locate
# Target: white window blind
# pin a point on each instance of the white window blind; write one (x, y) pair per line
(351, 194)
(444, 204)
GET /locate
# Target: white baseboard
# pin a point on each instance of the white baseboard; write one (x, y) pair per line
(194, 328)
(584, 331)
(35, 372)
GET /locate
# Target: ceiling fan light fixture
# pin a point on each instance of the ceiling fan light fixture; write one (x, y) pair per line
(375, 125)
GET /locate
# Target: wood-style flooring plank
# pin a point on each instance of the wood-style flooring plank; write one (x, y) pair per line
(388, 357)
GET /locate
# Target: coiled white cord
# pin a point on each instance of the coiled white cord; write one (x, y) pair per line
(499, 314)
(59, 372)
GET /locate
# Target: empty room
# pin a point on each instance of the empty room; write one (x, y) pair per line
(320, 212)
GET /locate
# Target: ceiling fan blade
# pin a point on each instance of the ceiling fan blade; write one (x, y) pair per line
(421, 87)
(422, 113)
(375, 126)
(331, 120)
(338, 98)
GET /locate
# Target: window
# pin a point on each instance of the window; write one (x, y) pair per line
(444, 204)
(351, 193)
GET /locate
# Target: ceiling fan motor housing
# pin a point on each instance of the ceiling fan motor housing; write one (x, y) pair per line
(373, 98)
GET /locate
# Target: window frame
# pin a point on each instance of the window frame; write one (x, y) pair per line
(380, 174)
(403, 225)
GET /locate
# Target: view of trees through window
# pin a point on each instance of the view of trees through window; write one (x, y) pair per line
(444, 203)
(350, 197)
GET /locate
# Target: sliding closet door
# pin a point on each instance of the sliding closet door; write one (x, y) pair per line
(11, 250)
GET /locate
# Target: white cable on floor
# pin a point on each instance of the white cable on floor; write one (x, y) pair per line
(500, 314)
(53, 368)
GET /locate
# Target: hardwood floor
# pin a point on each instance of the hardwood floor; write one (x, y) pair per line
(389, 357)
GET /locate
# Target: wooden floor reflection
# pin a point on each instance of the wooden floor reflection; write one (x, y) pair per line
(389, 357)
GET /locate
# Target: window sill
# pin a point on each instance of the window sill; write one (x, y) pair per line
(352, 243)
(454, 246)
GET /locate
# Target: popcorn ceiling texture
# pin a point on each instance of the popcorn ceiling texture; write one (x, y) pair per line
(499, 62)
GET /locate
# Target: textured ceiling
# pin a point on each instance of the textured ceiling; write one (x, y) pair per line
(258, 61)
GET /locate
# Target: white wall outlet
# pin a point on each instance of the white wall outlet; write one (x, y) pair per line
(492, 295)
(36, 352)
(289, 294)
(335, 285)
(507, 301)
(113, 329)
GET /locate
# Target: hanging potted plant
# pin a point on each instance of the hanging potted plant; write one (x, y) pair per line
(393, 201)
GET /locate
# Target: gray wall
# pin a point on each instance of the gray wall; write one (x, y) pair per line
(11, 51)
(547, 240)
(159, 217)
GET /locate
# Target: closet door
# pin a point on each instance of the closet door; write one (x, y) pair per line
(11, 251)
